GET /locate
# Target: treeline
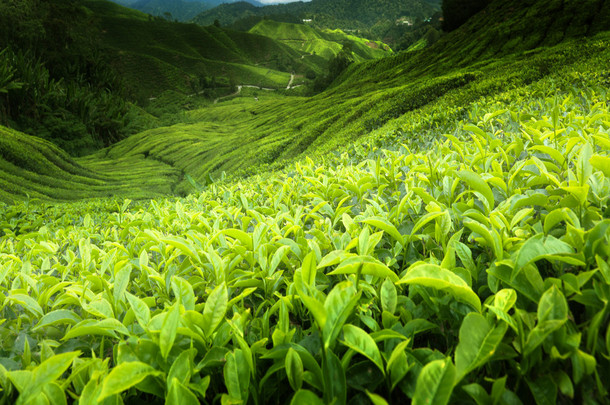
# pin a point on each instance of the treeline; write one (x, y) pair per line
(55, 81)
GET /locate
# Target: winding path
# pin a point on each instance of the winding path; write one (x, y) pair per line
(251, 86)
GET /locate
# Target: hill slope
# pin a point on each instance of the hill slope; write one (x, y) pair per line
(156, 55)
(30, 166)
(245, 136)
(326, 44)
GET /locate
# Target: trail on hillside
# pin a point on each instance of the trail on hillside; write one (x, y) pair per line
(251, 86)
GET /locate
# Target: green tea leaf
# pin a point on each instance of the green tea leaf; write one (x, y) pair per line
(432, 275)
(376, 399)
(140, 309)
(215, 309)
(478, 342)
(294, 369)
(125, 376)
(169, 330)
(105, 327)
(27, 303)
(59, 316)
(121, 280)
(544, 390)
(237, 375)
(182, 367)
(305, 397)
(601, 163)
(542, 247)
(179, 394)
(338, 307)
(365, 265)
(435, 383)
(386, 226)
(183, 291)
(361, 342)
(389, 298)
(335, 386)
(476, 182)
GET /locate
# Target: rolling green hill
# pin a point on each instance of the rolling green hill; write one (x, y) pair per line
(156, 55)
(33, 167)
(326, 44)
(245, 136)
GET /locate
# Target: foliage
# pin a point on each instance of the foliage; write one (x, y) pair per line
(58, 84)
(333, 14)
(470, 266)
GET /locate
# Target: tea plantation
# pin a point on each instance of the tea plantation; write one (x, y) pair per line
(411, 236)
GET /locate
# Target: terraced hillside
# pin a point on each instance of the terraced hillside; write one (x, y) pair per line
(246, 135)
(156, 55)
(326, 44)
(34, 168)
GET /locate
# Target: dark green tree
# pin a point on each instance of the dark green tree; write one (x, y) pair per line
(457, 12)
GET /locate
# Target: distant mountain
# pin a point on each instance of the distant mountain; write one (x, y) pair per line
(344, 14)
(181, 10)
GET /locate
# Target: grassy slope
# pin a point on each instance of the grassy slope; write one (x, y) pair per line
(35, 167)
(326, 44)
(156, 55)
(381, 97)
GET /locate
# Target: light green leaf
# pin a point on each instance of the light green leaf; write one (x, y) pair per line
(105, 327)
(476, 182)
(435, 383)
(184, 246)
(99, 307)
(478, 342)
(361, 342)
(169, 330)
(294, 369)
(492, 238)
(140, 309)
(385, 226)
(432, 275)
(389, 297)
(376, 399)
(305, 397)
(121, 280)
(541, 247)
(236, 375)
(59, 316)
(241, 236)
(215, 309)
(27, 303)
(179, 394)
(365, 265)
(49, 370)
(125, 376)
(182, 368)
(338, 307)
(309, 270)
(552, 305)
(183, 290)
(601, 163)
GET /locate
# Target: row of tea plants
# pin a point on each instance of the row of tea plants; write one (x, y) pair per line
(472, 270)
